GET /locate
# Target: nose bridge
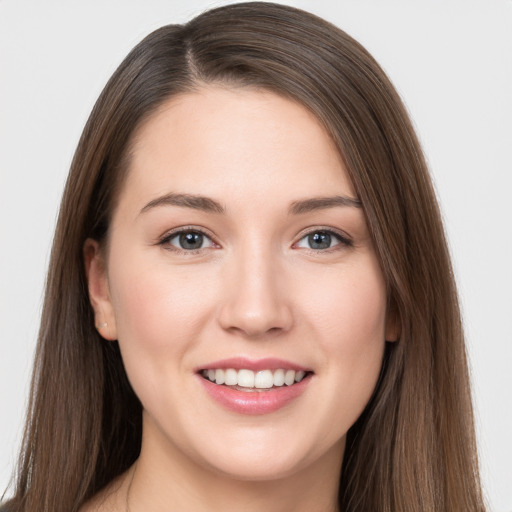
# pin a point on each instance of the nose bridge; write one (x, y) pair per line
(255, 303)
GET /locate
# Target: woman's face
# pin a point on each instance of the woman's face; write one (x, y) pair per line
(238, 252)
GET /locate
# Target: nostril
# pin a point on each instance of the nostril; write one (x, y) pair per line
(255, 310)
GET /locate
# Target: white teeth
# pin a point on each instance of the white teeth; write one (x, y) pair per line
(289, 377)
(299, 375)
(220, 377)
(278, 377)
(263, 379)
(246, 378)
(231, 377)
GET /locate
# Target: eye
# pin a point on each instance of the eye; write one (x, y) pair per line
(322, 240)
(188, 240)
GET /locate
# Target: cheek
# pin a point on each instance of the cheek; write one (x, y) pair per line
(157, 311)
(349, 322)
(350, 307)
(159, 317)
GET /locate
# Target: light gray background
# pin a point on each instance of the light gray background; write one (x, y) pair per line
(450, 59)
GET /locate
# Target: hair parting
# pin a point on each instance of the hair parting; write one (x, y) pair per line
(413, 449)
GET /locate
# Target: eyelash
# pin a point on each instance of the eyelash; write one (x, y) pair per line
(165, 241)
(343, 240)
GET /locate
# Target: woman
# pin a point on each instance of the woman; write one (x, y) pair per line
(250, 303)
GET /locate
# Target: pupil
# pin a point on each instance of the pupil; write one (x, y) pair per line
(191, 240)
(319, 240)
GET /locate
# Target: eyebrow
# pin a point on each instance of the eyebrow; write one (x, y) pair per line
(208, 204)
(205, 204)
(320, 203)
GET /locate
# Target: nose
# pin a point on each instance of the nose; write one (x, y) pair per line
(255, 303)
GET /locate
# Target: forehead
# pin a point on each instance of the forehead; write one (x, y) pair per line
(234, 144)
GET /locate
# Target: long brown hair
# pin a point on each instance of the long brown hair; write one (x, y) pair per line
(413, 448)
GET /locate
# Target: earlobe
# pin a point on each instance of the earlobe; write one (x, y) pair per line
(99, 290)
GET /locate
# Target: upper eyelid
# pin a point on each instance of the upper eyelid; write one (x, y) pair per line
(342, 235)
(187, 229)
(164, 241)
(344, 242)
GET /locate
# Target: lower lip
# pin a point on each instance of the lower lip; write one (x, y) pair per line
(254, 402)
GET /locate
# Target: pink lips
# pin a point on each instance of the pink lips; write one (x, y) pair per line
(269, 363)
(257, 401)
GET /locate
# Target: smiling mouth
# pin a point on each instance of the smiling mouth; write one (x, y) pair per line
(248, 380)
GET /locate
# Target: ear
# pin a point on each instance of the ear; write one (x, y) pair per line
(393, 327)
(99, 290)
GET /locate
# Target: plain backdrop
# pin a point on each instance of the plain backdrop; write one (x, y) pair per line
(451, 60)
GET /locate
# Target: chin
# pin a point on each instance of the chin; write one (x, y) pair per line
(260, 469)
(248, 460)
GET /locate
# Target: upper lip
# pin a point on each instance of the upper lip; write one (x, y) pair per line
(267, 363)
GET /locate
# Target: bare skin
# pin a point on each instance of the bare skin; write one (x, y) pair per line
(283, 268)
(236, 496)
